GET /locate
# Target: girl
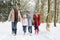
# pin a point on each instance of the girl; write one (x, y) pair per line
(24, 23)
(35, 19)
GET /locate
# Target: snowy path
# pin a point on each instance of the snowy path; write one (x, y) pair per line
(5, 32)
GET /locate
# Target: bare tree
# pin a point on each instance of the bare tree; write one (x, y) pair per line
(55, 15)
(42, 11)
(48, 16)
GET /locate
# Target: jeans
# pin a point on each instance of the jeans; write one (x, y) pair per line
(30, 29)
(24, 29)
(14, 27)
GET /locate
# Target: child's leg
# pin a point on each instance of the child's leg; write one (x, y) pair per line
(30, 29)
(36, 30)
(24, 29)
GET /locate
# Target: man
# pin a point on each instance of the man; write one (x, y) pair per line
(13, 16)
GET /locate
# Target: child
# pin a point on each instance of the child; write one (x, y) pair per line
(24, 23)
(38, 20)
(35, 19)
(29, 23)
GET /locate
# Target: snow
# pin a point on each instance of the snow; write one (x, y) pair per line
(5, 32)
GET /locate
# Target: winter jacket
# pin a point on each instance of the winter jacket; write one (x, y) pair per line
(38, 19)
(29, 20)
(24, 22)
(35, 19)
(11, 15)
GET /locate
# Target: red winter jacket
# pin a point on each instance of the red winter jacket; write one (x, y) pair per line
(38, 19)
(35, 19)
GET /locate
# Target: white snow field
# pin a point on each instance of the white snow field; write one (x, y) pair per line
(5, 32)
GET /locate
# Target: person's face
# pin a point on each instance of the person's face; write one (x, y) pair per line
(24, 16)
(36, 15)
(17, 7)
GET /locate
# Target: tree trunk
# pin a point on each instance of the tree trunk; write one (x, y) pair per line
(48, 17)
(55, 15)
(48, 6)
(42, 11)
(37, 6)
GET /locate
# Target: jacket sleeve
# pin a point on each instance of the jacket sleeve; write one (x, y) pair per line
(9, 17)
(33, 17)
(27, 22)
(21, 21)
(19, 15)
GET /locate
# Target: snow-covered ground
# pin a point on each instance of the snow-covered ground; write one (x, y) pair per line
(5, 32)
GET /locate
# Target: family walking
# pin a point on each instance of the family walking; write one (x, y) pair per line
(25, 19)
